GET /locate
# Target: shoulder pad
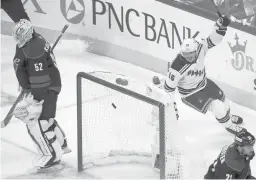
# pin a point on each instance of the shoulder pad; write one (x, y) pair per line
(234, 160)
(35, 48)
(179, 64)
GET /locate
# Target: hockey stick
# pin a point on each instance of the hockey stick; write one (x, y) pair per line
(216, 7)
(8, 117)
(174, 103)
(57, 40)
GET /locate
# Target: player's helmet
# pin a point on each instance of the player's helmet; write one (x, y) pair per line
(22, 32)
(189, 49)
(244, 138)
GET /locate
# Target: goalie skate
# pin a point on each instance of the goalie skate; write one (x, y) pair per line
(56, 166)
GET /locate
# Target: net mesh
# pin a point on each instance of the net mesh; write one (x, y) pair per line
(118, 128)
(113, 123)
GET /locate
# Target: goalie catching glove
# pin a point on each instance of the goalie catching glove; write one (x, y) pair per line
(28, 109)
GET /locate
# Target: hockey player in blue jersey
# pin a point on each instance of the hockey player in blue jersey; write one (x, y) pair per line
(187, 73)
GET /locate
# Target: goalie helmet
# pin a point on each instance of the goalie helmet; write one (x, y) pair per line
(22, 32)
(189, 49)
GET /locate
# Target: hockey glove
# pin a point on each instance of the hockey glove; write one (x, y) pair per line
(28, 109)
(221, 25)
(223, 21)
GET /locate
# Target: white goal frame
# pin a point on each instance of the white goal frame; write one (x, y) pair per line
(140, 97)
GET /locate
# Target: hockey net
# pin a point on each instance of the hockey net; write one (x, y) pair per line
(114, 125)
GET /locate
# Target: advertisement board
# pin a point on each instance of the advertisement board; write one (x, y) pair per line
(148, 33)
(234, 61)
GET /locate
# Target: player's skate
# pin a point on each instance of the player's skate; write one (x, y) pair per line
(234, 129)
(236, 119)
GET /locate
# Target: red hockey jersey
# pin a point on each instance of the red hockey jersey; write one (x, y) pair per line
(229, 165)
(35, 65)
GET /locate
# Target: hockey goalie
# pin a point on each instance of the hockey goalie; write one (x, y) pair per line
(42, 134)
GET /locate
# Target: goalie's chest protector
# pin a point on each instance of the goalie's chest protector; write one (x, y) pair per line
(194, 73)
(37, 66)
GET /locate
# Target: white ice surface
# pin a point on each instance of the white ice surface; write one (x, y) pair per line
(17, 150)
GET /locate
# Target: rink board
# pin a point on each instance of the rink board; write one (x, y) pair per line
(147, 61)
(148, 34)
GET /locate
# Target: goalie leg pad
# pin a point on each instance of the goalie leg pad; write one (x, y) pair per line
(61, 137)
(49, 149)
(59, 133)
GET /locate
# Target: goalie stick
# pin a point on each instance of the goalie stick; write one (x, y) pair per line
(8, 117)
(57, 40)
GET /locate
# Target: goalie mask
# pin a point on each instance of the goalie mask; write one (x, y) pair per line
(22, 32)
(28, 109)
(189, 49)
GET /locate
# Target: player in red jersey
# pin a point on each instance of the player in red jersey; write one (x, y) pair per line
(233, 161)
(37, 74)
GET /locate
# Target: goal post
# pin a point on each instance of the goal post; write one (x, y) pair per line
(112, 117)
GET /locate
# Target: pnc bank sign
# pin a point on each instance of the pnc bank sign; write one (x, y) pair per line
(157, 30)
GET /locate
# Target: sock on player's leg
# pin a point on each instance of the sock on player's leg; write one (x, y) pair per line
(221, 111)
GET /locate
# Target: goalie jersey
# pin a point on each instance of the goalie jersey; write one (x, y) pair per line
(35, 65)
(191, 77)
